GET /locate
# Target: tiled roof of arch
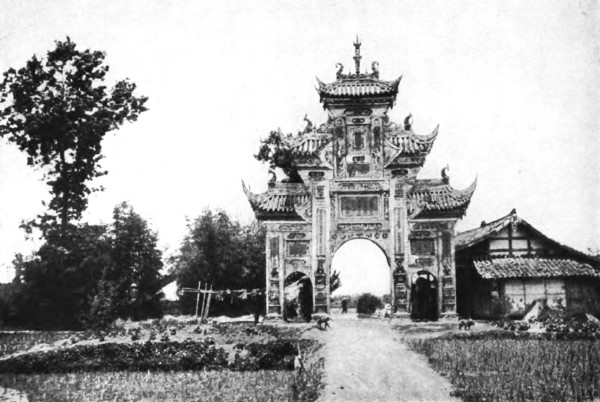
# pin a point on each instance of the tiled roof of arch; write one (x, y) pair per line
(308, 144)
(435, 196)
(358, 87)
(280, 199)
(406, 143)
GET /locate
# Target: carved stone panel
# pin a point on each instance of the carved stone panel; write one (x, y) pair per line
(399, 243)
(321, 230)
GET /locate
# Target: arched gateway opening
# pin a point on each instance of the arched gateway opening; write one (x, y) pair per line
(298, 303)
(363, 268)
(424, 296)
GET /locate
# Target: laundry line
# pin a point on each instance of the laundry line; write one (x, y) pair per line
(219, 295)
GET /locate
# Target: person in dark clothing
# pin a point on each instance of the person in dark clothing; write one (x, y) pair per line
(344, 306)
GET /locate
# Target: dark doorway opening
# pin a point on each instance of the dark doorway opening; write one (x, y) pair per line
(424, 296)
(298, 304)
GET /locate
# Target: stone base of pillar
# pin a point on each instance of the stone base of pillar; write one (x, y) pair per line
(273, 317)
(401, 314)
(449, 315)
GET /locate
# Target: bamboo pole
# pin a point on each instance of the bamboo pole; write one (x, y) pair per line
(198, 299)
(208, 303)
(203, 301)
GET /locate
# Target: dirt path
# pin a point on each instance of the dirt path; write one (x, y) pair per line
(365, 361)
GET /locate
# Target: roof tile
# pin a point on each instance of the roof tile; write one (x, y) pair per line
(519, 267)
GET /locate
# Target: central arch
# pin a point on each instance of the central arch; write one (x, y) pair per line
(363, 267)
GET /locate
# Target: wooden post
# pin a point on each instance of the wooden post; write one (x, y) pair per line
(208, 304)
(203, 301)
(198, 299)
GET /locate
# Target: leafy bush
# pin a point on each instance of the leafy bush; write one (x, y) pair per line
(12, 342)
(187, 355)
(368, 304)
(165, 355)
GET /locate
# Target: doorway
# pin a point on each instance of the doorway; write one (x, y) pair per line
(424, 297)
(298, 305)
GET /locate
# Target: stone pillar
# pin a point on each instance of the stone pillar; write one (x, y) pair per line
(448, 281)
(399, 262)
(274, 274)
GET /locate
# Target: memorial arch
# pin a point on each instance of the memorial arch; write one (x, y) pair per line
(359, 180)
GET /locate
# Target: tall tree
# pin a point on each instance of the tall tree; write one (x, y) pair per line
(130, 285)
(57, 110)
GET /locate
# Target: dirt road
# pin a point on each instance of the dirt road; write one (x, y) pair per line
(365, 361)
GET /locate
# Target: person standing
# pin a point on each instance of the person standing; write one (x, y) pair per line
(344, 305)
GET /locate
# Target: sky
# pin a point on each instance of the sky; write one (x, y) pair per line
(514, 86)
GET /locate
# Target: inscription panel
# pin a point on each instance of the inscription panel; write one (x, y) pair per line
(359, 206)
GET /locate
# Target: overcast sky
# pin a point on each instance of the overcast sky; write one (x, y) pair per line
(514, 86)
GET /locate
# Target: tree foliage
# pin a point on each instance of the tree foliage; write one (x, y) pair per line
(222, 252)
(334, 282)
(88, 279)
(57, 110)
(274, 151)
(130, 285)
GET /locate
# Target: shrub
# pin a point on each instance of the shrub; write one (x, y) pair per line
(368, 304)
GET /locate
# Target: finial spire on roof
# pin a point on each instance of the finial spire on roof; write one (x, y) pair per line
(357, 55)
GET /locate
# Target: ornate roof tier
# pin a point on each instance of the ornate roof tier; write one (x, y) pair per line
(435, 197)
(358, 87)
(504, 268)
(401, 143)
(280, 202)
(308, 144)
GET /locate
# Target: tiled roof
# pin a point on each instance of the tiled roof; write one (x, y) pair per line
(435, 195)
(270, 202)
(533, 268)
(411, 144)
(281, 198)
(470, 237)
(309, 144)
(402, 143)
(358, 87)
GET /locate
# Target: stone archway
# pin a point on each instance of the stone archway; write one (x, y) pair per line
(298, 297)
(364, 267)
(424, 296)
(357, 178)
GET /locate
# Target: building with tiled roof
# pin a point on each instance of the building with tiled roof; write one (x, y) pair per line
(504, 266)
(359, 179)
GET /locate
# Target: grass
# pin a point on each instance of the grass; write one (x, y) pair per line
(516, 369)
(266, 385)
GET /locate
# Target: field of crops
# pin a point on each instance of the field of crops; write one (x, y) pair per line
(67, 376)
(265, 385)
(516, 369)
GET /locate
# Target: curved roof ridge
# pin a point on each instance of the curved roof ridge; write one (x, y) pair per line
(467, 191)
(310, 143)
